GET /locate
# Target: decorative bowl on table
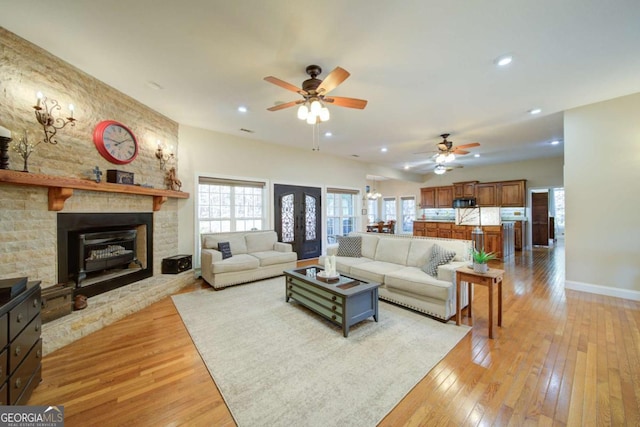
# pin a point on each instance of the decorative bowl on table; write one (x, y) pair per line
(322, 275)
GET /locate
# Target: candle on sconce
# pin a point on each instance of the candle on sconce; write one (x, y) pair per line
(39, 97)
(71, 108)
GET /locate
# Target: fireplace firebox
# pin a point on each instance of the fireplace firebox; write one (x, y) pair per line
(99, 252)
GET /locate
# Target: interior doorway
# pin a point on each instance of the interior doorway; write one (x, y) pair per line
(540, 218)
(298, 213)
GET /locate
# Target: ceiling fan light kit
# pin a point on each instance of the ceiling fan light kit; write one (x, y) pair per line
(313, 109)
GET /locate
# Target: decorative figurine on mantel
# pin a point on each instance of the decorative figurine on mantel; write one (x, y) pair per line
(25, 148)
(98, 173)
(172, 181)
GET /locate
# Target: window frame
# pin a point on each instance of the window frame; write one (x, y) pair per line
(354, 216)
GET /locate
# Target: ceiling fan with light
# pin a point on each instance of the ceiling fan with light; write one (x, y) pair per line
(314, 94)
(442, 168)
(446, 152)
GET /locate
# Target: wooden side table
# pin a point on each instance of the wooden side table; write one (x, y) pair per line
(489, 279)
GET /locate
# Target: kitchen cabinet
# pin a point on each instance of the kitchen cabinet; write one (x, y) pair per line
(487, 194)
(444, 230)
(436, 197)
(493, 239)
(518, 237)
(431, 229)
(464, 189)
(444, 197)
(461, 232)
(428, 197)
(511, 194)
(499, 239)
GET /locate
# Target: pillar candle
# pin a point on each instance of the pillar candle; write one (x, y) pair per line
(4, 132)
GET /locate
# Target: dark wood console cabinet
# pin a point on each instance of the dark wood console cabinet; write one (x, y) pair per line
(20, 346)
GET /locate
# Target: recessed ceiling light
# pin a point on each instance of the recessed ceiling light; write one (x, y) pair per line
(503, 61)
(383, 149)
(407, 167)
(328, 134)
(242, 109)
(535, 111)
(476, 155)
(556, 142)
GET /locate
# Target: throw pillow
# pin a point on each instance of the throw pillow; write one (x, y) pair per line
(350, 246)
(225, 248)
(439, 256)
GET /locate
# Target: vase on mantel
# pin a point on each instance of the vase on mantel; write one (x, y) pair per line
(25, 168)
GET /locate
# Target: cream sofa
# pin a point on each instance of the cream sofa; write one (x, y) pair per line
(396, 262)
(255, 255)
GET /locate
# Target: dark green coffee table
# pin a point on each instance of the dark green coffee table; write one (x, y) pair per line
(344, 301)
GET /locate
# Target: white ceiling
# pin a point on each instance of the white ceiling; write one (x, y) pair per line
(425, 66)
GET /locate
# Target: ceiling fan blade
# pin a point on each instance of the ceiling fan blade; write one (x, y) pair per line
(285, 105)
(473, 144)
(333, 79)
(347, 102)
(276, 81)
(459, 151)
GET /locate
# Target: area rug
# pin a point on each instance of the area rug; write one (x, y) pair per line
(279, 364)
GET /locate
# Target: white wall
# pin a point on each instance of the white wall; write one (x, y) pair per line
(602, 184)
(207, 153)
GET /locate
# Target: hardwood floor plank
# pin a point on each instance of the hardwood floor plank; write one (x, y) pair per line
(561, 358)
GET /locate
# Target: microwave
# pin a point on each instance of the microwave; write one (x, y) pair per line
(467, 202)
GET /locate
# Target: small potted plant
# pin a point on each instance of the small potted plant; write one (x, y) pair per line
(480, 260)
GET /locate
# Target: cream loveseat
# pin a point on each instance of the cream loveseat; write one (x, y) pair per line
(397, 262)
(255, 255)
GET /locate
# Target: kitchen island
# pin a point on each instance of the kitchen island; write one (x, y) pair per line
(499, 239)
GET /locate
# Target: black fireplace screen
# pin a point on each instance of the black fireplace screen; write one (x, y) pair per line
(99, 252)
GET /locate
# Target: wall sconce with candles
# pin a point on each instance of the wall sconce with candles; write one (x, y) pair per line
(162, 156)
(44, 115)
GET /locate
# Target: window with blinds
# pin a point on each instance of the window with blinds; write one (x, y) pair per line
(408, 209)
(230, 205)
(341, 212)
(389, 209)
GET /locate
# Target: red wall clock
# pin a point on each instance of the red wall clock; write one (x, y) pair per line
(115, 142)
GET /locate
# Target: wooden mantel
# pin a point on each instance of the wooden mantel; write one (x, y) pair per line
(61, 188)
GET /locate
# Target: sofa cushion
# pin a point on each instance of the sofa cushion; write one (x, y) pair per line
(374, 271)
(369, 245)
(412, 280)
(349, 246)
(393, 250)
(236, 241)
(225, 249)
(238, 262)
(274, 257)
(344, 264)
(439, 256)
(259, 241)
(419, 252)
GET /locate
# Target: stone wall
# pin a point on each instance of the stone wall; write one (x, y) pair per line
(27, 227)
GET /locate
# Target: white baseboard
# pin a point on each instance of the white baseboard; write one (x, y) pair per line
(603, 290)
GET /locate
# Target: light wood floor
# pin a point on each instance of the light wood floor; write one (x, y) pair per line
(561, 358)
